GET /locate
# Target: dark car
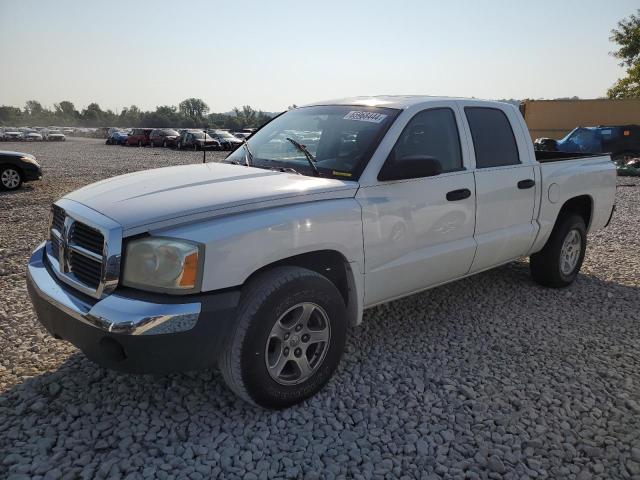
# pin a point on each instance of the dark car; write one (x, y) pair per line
(197, 140)
(16, 168)
(227, 141)
(139, 137)
(163, 137)
(621, 141)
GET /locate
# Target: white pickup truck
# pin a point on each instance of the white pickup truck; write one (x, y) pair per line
(259, 263)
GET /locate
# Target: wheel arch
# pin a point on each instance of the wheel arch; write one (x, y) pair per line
(19, 169)
(333, 265)
(581, 205)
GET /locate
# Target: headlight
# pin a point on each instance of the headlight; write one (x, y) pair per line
(162, 265)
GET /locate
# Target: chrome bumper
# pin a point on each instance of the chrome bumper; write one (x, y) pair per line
(115, 313)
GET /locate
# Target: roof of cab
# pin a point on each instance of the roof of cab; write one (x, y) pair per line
(400, 102)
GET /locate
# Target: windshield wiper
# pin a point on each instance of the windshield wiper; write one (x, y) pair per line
(285, 169)
(310, 158)
(248, 156)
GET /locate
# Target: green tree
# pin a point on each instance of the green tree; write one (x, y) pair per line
(627, 36)
(194, 109)
(33, 108)
(66, 108)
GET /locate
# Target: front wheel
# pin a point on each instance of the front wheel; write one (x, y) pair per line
(558, 263)
(287, 339)
(10, 178)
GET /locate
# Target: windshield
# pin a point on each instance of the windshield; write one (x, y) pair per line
(341, 138)
(223, 134)
(201, 136)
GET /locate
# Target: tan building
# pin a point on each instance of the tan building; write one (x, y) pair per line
(555, 118)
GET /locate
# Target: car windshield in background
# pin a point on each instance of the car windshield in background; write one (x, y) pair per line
(224, 134)
(341, 139)
(201, 136)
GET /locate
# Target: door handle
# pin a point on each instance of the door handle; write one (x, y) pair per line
(461, 194)
(528, 183)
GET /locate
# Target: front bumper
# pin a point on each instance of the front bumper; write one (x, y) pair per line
(130, 330)
(32, 173)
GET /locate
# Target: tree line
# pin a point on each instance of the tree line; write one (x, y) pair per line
(190, 113)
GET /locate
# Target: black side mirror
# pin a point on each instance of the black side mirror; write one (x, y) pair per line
(412, 166)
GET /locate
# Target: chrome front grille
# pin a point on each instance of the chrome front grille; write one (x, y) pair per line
(84, 248)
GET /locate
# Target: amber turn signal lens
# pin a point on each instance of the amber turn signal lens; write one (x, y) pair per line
(190, 271)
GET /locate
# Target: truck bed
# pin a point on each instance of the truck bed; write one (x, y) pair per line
(546, 157)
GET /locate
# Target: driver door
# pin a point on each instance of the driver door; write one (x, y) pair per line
(418, 232)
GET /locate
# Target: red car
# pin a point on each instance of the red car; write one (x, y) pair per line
(139, 137)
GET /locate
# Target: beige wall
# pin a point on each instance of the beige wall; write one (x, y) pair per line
(555, 118)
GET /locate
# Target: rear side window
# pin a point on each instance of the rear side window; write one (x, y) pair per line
(431, 133)
(493, 139)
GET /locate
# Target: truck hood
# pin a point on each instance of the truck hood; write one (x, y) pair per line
(153, 199)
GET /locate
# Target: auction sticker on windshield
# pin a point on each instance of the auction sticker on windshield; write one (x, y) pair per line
(365, 116)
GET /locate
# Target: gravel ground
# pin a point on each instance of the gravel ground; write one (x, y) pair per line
(522, 382)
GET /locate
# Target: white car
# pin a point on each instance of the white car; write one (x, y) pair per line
(259, 264)
(31, 136)
(12, 134)
(55, 136)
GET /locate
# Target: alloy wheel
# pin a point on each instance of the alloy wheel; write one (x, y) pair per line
(570, 252)
(298, 342)
(10, 178)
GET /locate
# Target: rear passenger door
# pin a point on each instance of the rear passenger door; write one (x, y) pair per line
(505, 187)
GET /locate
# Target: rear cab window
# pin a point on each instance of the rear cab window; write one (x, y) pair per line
(494, 142)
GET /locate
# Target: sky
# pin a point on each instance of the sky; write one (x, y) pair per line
(272, 54)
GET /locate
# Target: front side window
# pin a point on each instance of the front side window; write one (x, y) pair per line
(340, 138)
(431, 133)
(493, 139)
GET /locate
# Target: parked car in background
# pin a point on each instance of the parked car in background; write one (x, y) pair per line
(12, 134)
(196, 140)
(139, 137)
(69, 131)
(117, 137)
(241, 135)
(225, 139)
(17, 168)
(622, 142)
(630, 169)
(55, 136)
(163, 137)
(31, 136)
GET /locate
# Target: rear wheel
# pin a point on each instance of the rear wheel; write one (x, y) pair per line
(287, 339)
(558, 263)
(10, 178)
(164, 144)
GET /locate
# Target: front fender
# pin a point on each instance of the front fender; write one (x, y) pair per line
(240, 244)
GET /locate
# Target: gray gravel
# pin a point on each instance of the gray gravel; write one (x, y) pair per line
(490, 377)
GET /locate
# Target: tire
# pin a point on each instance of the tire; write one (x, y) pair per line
(164, 144)
(151, 143)
(195, 147)
(558, 263)
(279, 296)
(178, 146)
(10, 177)
(139, 143)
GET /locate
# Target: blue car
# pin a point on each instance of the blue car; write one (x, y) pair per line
(117, 138)
(621, 141)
